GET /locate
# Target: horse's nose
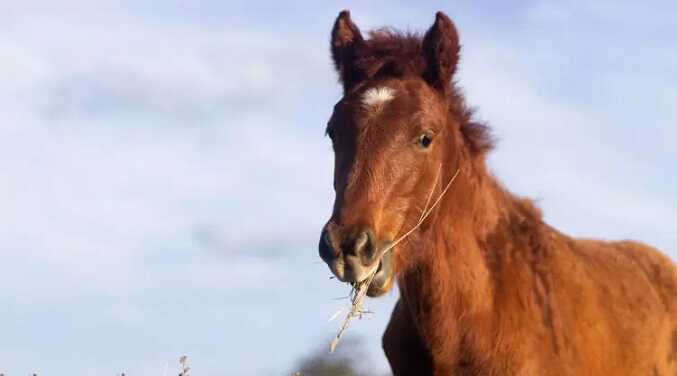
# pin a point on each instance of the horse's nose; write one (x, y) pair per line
(351, 258)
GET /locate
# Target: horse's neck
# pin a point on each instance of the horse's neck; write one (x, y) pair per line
(451, 288)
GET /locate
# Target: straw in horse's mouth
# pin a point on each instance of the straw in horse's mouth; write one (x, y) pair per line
(380, 265)
(374, 270)
(357, 294)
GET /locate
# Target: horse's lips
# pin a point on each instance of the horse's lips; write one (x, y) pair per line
(383, 272)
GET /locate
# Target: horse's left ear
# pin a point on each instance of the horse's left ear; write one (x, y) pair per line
(441, 48)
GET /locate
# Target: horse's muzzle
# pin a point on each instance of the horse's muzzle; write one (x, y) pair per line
(355, 258)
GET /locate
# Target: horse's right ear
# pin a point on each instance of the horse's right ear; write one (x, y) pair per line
(345, 39)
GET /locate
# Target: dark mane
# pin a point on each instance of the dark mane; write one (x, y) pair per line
(389, 53)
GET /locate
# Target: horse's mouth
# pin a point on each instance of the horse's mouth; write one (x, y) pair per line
(383, 278)
(348, 270)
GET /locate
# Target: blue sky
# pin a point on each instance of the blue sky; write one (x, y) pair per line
(164, 175)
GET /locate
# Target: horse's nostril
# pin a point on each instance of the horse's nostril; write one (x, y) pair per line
(363, 246)
(326, 252)
(361, 242)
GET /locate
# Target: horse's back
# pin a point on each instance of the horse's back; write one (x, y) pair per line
(658, 268)
(629, 268)
(629, 311)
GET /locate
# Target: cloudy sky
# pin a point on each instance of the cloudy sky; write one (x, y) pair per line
(164, 175)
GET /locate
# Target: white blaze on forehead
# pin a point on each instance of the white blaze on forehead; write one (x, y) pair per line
(377, 96)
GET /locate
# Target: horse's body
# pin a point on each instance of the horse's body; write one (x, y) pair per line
(487, 288)
(528, 300)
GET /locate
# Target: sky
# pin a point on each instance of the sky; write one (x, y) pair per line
(164, 175)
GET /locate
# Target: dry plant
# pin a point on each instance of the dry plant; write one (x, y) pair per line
(183, 366)
(359, 289)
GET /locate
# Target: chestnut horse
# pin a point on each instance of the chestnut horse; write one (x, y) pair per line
(486, 286)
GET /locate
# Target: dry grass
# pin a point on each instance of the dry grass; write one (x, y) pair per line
(359, 289)
(183, 366)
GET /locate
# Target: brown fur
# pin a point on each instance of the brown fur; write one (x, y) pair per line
(487, 288)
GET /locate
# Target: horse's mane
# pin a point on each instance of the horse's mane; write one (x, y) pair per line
(392, 53)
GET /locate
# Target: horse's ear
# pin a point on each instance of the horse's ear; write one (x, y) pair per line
(441, 48)
(345, 39)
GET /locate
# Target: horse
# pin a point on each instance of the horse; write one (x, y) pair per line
(486, 286)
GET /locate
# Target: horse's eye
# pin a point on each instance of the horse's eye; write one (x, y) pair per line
(425, 140)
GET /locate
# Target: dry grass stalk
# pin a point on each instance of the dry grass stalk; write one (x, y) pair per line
(183, 363)
(357, 294)
(359, 289)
